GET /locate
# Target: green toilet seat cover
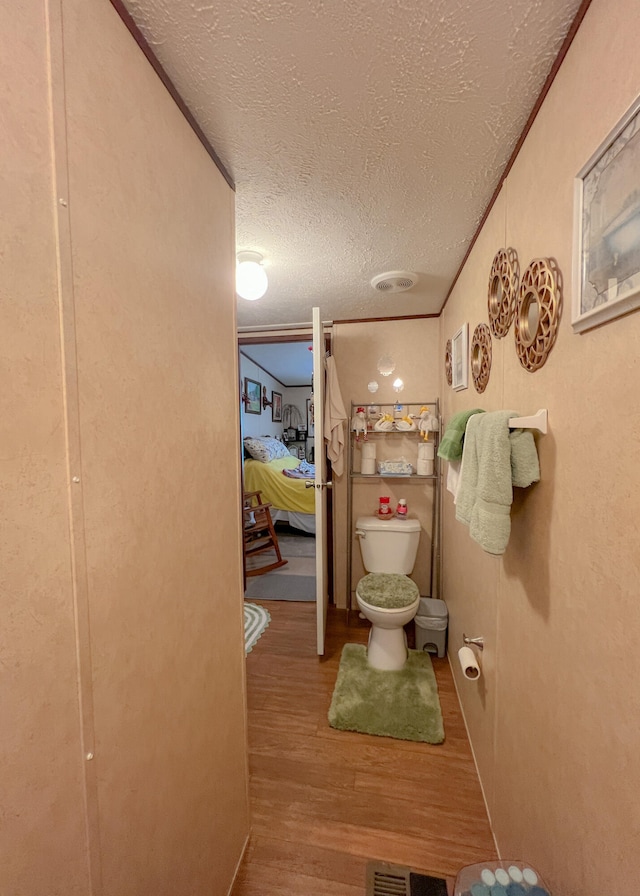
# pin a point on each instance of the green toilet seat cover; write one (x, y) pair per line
(390, 591)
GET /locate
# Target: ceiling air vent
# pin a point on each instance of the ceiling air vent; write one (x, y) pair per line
(394, 281)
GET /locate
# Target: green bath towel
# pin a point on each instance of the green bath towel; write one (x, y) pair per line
(495, 459)
(453, 438)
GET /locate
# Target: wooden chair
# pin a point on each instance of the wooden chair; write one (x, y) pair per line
(259, 533)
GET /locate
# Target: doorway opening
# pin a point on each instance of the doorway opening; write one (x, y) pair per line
(279, 370)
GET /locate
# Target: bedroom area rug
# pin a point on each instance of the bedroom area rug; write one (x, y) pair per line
(296, 580)
(256, 620)
(402, 704)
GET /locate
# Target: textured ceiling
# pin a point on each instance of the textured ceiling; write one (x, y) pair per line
(363, 136)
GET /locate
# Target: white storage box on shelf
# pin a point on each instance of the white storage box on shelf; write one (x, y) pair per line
(431, 625)
(398, 467)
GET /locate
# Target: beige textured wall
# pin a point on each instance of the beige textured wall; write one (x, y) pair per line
(554, 720)
(42, 844)
(149, 373)
(413, 344)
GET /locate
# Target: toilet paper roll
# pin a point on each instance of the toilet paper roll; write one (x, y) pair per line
(368, 466)
(426, 451)
(469, 663)
(424, 467)
(369, 450)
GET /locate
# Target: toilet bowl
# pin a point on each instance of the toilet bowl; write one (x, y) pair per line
(386, 596)
(387, 647)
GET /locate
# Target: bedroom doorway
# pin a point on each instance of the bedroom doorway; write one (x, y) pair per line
(277, 404)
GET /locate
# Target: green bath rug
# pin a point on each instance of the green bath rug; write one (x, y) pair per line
(400, 704)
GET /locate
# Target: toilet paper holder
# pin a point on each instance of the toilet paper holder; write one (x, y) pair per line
(478, 642)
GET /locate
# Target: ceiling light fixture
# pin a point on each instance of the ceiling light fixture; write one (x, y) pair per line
(251, 277)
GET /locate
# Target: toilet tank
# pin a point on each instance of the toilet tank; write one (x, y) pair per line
(388, 545)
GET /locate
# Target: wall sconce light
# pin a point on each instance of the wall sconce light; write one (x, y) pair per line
(251, 277)
(265, 402)
(398, 385)
(386, 365)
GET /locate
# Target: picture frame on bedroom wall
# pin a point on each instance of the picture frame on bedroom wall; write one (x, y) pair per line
(460, 359)
(252, 396)
(276, 407)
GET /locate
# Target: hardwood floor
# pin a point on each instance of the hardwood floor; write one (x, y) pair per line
(325, 802)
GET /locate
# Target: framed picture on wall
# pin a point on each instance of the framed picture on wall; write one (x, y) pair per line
(606, 237)
(252, 396)
(460, 359)
(276, 407)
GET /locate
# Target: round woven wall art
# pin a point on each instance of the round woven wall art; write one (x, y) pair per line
(538, 312)
(447, 363)
(481, 357)
(503, 291)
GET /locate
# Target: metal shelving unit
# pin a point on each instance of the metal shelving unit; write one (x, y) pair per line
(353, 477)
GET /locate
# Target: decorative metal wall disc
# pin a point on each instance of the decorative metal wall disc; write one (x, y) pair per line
(538, 312)
(481, 357)
(447, 362)
(503, 290)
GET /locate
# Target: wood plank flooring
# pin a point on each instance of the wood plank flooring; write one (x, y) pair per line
(325, 802)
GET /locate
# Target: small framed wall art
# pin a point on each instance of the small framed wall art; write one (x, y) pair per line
(460, 359)
(252, 396)
(447, 362)
(276, 407)
(606, 238)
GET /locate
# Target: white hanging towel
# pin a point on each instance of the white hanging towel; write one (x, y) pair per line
(335, 418)
(454, 477)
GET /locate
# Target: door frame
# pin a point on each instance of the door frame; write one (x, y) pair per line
(302, 334)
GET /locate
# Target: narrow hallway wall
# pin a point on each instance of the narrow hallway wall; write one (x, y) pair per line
(553, 721)
(124, 739)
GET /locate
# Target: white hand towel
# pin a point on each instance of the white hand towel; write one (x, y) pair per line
(454, 476)
(335, 418)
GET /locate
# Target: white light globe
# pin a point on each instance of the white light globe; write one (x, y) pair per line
(251, 277)
(386, 365)
(398, 385)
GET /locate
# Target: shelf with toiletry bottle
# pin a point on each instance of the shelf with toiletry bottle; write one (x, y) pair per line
(379, 432)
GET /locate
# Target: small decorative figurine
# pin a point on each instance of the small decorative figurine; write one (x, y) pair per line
(428, 423)
(406, 424)
(359, 424)
(384, 424)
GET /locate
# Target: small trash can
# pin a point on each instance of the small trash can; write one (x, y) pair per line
(431, 625)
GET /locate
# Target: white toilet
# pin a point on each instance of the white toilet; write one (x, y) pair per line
(386, 595)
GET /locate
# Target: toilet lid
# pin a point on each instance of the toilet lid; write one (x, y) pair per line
(390, 591)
